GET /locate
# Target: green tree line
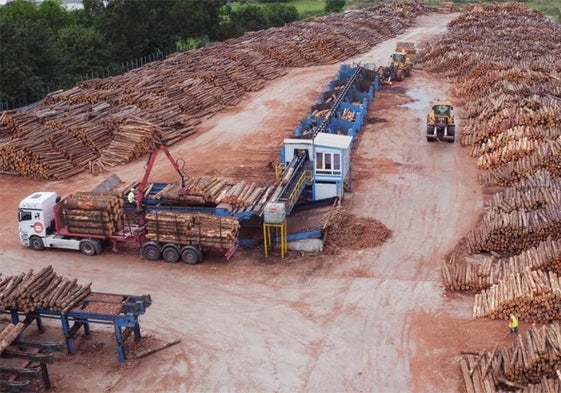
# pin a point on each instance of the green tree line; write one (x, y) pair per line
(45, 47)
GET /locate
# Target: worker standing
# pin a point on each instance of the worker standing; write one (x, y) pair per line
(130, 196)
(513, 324)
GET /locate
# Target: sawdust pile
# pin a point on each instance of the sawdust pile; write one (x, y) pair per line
(347, 231)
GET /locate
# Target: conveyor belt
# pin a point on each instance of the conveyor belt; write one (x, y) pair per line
(294, 182)
(340, 97)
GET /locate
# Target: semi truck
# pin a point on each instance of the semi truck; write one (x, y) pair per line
(87, 222)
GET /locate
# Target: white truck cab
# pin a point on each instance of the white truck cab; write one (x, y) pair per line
(36, 214)
(37, 227)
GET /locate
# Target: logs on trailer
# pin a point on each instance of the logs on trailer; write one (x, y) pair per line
(69, 131)
(532, 295)
(44, 289)
(209, 190)
(508, 79)
(186, 228)
(93, 213)
(520, 217)
(463, 276)
(529, 365)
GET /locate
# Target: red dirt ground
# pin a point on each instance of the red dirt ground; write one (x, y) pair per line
(361, 320)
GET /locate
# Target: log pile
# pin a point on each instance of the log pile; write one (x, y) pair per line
(447, 7)
(210, 190)
(509, 77)
(546, 385)
(192, 229)
(533, 295)
(530, 365)
(132, 139)
(42, 290)
(463, 276)
(93, 213)
(532, 356)
(546, 156)
(69, 131)
(520, 217)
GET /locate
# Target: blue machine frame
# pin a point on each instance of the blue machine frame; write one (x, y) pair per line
(124, 322)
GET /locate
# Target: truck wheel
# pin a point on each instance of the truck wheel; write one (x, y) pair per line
(430, 133)
(87, 247)
(151, 251)
(399, 75)
(170, 253)
(452, 133)
(191, 256)
(36, 243)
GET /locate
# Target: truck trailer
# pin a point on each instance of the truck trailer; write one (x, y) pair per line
(88, 222)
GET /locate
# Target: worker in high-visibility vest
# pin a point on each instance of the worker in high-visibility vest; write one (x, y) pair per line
(130, 197)
(513, 324)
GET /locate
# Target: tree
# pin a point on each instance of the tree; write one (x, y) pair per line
(334, 6)
(82, 50)
(250, 17)
(280, 14)
(28, 61)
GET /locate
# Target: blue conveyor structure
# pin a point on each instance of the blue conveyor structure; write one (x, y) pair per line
(121, 311)
(349, 93)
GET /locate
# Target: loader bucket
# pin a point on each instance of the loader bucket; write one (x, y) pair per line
(107, 184)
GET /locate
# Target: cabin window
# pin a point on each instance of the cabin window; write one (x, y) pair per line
(328, 163)
(24, 215)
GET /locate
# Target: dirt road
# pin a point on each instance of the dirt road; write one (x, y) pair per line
(373, 320)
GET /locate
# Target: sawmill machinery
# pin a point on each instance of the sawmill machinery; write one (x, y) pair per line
(293, 179)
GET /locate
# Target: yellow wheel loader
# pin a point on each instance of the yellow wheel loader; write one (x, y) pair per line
(440, 122)
(401, 64)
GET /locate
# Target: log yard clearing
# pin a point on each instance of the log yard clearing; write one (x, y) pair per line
(312, 239)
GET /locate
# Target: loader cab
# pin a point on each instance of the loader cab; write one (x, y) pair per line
(399, 57)
(442, 110)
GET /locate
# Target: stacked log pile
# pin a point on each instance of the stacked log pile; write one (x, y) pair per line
(520, 217)
(210, 190)
(175, 93)
(463, 276)
(530, 365)
(45, 289)
(93, 213)
(546, 385)
(533, 295)
(509, 77)
(192, 229)
(132, 139)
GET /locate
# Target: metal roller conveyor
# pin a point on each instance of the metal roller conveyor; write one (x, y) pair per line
(340, 97)
(121, 311)
(293, 182)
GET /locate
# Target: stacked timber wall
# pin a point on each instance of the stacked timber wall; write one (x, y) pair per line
(505, 62)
